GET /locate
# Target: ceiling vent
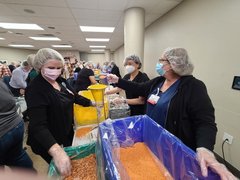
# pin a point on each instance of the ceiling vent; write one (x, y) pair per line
(46, 35)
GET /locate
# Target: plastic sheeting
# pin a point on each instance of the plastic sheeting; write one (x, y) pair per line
(77, 152)
(178, 159)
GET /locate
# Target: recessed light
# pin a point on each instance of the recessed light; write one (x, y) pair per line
(20, 45)
(29, 11)
(20, 26)
(97, 46)
(96, 29)
(97, 39)
(97, 50)
(45, 38)
(62, 46)
(2, 38)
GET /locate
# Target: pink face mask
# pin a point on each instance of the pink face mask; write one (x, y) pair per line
(52, 74)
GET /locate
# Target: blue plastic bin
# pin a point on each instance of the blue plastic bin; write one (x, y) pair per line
(178, 159)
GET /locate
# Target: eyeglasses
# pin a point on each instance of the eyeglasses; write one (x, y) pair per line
(163, 60)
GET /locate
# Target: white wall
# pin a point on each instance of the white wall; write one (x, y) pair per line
(96, 58)
(118, 59)
(209, 30)
(69, 54)
(14, 54)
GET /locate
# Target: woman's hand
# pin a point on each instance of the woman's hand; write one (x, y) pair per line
(207, 159)
(112, 78)
(61, 160)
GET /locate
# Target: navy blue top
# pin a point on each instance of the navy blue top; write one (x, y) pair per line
(158, 111)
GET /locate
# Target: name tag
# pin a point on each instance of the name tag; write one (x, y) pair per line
(153, 99)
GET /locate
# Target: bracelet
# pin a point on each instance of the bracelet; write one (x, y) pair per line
(125, 101)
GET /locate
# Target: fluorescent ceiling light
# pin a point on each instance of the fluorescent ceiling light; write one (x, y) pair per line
(20, 45)
(2, 38)
(97, 39)
(62, 46)
(20, 26)
(97, 50)
(45, 38)
(97, 46)
(96, 29)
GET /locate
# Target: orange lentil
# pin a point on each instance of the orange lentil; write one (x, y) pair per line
(140, 164)
(83, 169)
(82, 131)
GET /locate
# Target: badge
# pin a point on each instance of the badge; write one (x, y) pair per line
(153, 99)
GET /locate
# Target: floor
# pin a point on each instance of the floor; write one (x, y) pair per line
(39, 164)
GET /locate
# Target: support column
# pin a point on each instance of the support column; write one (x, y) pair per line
(107, 55)
(134, 27)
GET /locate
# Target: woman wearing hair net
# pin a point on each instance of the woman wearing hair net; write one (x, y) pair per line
(50, 109)
(180, 103)
(85, 77)
(132, 65)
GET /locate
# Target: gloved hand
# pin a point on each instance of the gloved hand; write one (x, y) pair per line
(93, 103)
(207, 159)
(119, 100)
(61, 160)
(112, 78)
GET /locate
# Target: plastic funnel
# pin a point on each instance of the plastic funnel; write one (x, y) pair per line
(98, 92)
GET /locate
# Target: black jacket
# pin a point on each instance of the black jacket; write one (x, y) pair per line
(190, 114)
(48, 123)
(115, 70)
(136, 109)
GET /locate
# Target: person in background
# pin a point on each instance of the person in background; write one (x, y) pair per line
(67, 71)
(180, 103)
(33, 73)
(85, 77)
(5, 74)
(12, 153)
(18, 80)
(4, 70)
(11, 67)
(114, 69)
(50, 109)
(132, 65)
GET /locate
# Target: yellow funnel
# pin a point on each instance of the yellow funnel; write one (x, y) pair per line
(98, 92)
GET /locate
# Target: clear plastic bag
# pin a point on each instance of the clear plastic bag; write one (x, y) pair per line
(77, 152)
(178, 159)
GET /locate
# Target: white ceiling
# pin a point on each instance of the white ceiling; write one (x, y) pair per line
(66, 16)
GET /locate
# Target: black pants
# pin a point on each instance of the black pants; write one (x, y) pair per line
(15, 91)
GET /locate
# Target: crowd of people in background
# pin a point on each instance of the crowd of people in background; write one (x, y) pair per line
(78, 73)
(50, 84)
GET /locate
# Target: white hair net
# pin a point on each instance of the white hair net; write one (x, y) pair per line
(134, 58)
(179, 61)
(30, 59)
(89, 64)
(44, 55)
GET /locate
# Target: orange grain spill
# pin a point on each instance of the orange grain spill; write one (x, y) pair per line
(82, 131)
(141, 165)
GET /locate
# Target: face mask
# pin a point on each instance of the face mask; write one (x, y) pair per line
(159, 69)
(52, 74)
(130, 69)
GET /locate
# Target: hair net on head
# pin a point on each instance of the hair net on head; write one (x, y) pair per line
(24, 63)
(134, 58)
(88, 64)
(44, 55)
(30, 59)
(179, 61)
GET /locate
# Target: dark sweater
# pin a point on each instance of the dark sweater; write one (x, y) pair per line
(136, 109)
(49, 120)
(190, 114)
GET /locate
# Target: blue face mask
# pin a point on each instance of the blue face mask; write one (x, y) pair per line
(159, 69)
